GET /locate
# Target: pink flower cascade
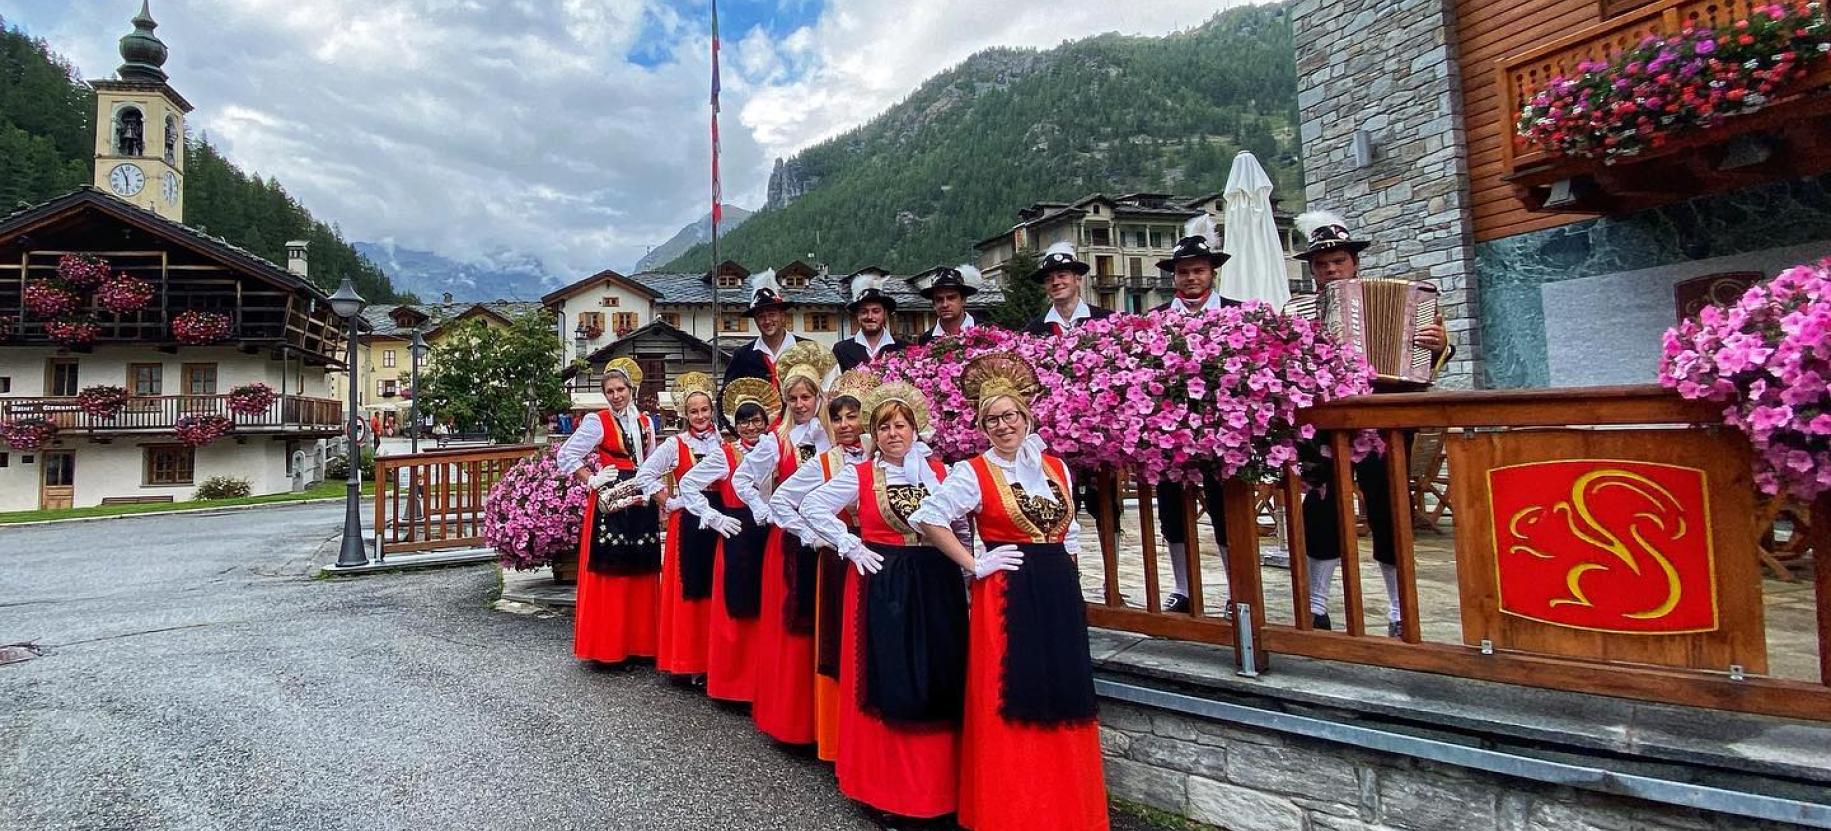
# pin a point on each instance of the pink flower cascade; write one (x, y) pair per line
(533, 513)
(124, 294)
(72, 332)
(199, 430)
(1767, 358)
(102, 401)
(1163, 394)
(29, 433)
(45, 300)
(198, 328)
(82, 273)
(251, 399)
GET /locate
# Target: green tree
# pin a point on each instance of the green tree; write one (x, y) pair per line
(1024, 297)
(487, 379)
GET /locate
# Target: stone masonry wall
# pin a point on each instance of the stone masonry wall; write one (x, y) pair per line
(1389, 67)
(1246, 779)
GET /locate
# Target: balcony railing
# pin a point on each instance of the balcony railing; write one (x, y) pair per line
(1524, 74)
(288, 413)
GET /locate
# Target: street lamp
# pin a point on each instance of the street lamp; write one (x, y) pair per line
(347, 304)
(417, 349)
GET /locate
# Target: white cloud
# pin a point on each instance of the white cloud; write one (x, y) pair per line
(466, 127)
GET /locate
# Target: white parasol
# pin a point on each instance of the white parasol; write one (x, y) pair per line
(1255, 270)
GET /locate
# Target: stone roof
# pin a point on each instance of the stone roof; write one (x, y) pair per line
(381, 323)
(694, 289)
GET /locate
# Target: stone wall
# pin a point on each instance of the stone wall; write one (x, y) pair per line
(1246, 779)
(1389, 67)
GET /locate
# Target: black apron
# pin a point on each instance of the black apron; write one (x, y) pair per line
(912, 638)
(831, 597)
(626, 542)
(697, 549)
(1047, 677)
(801, 574)
(744, 564)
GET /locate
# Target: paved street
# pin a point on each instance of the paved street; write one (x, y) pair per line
(197, 678)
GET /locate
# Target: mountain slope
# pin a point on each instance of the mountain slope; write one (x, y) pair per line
(500, 275)
(691, 235)
(952, 164)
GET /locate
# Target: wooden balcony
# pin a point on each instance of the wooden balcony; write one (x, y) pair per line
(290, 414)
(1789, 138)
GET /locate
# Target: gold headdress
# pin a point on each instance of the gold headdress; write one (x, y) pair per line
(627, 368)
(999, 373)
(692, 383)
(854, 382)
(748, 390)
(806, 359)
(899, 391)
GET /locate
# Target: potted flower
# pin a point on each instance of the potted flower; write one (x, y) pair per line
(80, 332)
(533, 516)
(197, 327)
(28, 433)
(81, 271)
(49, 300)
(124, 294)
(251, 399)
(102, 401)
(1764, 360)
(200, 429)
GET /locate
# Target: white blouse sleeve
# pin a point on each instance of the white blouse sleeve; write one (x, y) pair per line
(1072, 542)
(957, 497)
(820, 510)
(785, 503)
(655, 468)
(581, 443)
(757, 466)
(710, 471)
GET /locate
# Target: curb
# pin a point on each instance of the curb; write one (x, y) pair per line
(193, 511)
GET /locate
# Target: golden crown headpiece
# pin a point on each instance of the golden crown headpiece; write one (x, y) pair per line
(693, 383)
(806, 359)
(750, 390)
(999, 373)
(628, 368)
(899, 391)
(854, 382)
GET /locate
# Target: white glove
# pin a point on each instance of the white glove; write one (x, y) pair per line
(726, 526)
(673, 504)
(623, 490)
(1002, 558)
(867, 561)
(763, 515)
(609, 502)
(602, 478)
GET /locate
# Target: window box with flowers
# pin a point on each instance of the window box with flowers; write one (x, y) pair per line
(28, 433)
(251, 399)
(203, 428)
(124, 294)
(102, 402)
(72, 332)
(197, 328)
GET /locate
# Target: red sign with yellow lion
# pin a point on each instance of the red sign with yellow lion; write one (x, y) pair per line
(1605, 545)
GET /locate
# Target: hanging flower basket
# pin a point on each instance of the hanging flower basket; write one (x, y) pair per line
(82, 273)
(102, 401)
(1665, 87)
(49, 300)
(124, 294)
(199, 430)
(197, 328)
(29, 433)
(72, 332)
(251, 399)
(7, 323)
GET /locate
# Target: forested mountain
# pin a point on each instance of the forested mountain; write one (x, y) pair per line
(697, 232)
(952, 163)
(47, 147)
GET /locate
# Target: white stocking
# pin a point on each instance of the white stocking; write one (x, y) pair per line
(1322, 581)
(1391, 573)
(1179, 570)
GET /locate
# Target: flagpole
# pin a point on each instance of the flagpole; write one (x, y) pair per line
(717, 206)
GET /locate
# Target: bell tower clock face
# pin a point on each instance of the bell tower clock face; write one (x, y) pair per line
(126, 179)
(168, 187)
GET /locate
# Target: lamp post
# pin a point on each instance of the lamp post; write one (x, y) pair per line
(347, 304)
(417, 350)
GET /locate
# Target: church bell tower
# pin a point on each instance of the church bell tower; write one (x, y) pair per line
(139, 126)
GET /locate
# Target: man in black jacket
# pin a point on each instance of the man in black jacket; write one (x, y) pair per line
(948, 289)
(769, 309)
(1060, 272)
(871, 309)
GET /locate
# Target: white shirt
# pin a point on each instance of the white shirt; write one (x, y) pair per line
(1081, 312)
(820, 509)
(965, 324)
(652, 474)
(755, 478)
(883, 339)
(785, 504)
(1213, 302)
(710, 471)
(788, 340)
(590, 433)
(960, 495)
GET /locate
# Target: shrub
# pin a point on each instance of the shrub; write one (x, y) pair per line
(338, 467)
(223, 487)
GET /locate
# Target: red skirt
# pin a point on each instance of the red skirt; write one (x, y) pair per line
(731, 645)
(616, 615)
(784, 708)
(1059, 767)
(911, 773)
(681, 648)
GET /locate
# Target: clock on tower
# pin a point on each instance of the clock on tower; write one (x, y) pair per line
(139, 126)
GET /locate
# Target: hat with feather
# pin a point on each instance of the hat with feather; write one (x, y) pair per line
(870, 288)
(1200, 239)
(1057, 257)
(1326, 231)
(964, 279)
(765, 293)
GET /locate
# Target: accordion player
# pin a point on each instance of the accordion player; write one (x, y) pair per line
(1380, 319)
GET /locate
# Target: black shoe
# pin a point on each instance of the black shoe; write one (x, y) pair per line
(1177, 603)
(1321, 621)
(1394, 630)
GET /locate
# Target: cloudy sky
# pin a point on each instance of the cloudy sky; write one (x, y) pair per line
(575, 130)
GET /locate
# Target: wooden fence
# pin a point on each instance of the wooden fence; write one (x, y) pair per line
(435, 499)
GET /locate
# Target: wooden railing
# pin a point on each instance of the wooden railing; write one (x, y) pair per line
(434, 500)
(161, 412)
(1549, 557)
(1522, 75)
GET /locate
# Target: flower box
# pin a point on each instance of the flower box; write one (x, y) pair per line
(197, 328)
(102, 401)
(72, 332)
(81, 272)
(203, 428)
(29, 433)
(251, 399)
(48, 300)
(533, 515)
(124, 294)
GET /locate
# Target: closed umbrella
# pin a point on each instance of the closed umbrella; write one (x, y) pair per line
(1255, 269)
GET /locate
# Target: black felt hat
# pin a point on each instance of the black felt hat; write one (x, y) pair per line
(1326, 232)
(870, 289)
(1201, 239)
(964, 279)
(765, 293)
(1058, 257)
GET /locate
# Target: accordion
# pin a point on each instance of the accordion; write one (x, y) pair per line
(1379, 319)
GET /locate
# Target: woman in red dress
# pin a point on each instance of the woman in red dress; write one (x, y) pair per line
(1030, 711)
(842, 426)
(689, 550)
(620, 544)
(903, 658)
(737, 574)
(784, 704)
